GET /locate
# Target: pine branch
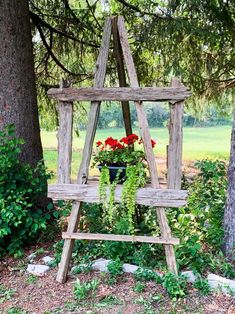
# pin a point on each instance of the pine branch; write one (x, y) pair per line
(37, 20)
(137, 9)
(52, 55)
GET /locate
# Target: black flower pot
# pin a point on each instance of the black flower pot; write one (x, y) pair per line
(115, 171)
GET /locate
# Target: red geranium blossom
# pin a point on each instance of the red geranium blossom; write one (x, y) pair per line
(109, 141)
(130, 139)
(99, 143)
(153, 143)
(120, 152)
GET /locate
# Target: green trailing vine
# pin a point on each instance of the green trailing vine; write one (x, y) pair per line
(135, 178)
(129, 193)
(103, 183)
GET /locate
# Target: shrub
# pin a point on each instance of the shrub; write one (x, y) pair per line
(175, 285)
(115, 267)
(20, 188)
(199, 224)
(202, 285)
(145, 274)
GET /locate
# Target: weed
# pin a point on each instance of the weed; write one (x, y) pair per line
(139, 287)
(145, 274)
(147, 304)
(109, 300)
(202, 285)
(82, 268)
(115, 267)
(83, 290)
(5, 293)
(31, 279)
(175, 285)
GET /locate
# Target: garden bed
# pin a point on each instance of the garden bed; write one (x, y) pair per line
(44, 295)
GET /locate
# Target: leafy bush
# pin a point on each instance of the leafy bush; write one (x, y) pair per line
(202, 285)
(115, 267)
(199, 224)
(21, 219)
(145, 274)
(175, 285)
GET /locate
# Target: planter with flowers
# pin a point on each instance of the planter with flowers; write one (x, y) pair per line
(118, 162)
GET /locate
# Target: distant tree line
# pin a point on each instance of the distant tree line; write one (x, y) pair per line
(158, 116)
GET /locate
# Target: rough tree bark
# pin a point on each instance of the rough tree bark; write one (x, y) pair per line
(229, 213)
(18, 102)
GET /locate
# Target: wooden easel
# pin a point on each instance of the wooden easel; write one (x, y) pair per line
(82, 191)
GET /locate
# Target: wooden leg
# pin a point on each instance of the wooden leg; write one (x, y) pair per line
(69, 243)
(100, 72)
(170, 259)
(145, 134)
(166, 233)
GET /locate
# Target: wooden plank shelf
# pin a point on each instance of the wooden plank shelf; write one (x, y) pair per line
(145, 196)
(71, 94)
(118, 237)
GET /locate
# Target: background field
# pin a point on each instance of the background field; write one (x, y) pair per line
(198, 143)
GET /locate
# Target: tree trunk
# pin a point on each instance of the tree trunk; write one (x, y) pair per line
(18, 102)
(229, 214)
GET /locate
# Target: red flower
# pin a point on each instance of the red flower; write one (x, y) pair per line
(130, 139)
(120, 146)
(133, 137)
(109, 140)
(99, 143)
(153, 143)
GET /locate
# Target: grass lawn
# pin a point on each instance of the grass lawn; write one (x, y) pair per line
(198, 143)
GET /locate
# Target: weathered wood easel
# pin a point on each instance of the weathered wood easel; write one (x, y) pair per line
(83, 191)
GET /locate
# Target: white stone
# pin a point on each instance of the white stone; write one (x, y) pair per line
(47, 260)
(37, 270)
(129, 268)
(218, 282)
(101, 264)
(189, 276)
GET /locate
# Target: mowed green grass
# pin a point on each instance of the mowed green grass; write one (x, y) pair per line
(198, 143)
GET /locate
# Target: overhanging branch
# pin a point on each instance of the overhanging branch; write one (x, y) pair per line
(37, 20)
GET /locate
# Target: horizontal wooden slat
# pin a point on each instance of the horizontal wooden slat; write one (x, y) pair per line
(145, 196)
(120, 94)
(115, 237)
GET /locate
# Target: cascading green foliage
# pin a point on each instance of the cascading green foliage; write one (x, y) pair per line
(21, 219)
(103, 183)
(135, 178)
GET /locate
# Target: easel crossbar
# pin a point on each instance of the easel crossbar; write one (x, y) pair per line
(145, 196)
(118, 237)
(120, 94)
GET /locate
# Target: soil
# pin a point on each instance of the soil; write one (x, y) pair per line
(44, 295)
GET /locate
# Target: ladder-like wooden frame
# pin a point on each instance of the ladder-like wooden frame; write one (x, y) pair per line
(81, 191)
